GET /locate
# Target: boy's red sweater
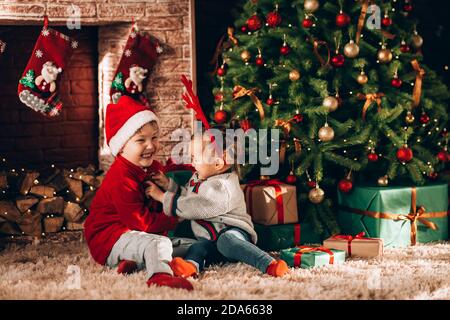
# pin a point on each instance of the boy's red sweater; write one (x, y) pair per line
(120, 205)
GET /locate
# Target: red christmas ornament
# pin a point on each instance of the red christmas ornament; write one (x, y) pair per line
(298, 118)
(254, 23)
(338, 60)
(342, 19)
(372, 157)
(433, 175)
(259, 61)
(404, 154)
(221, 71)
(270, 101)
(442, 156)
(291, 178)
(244, 29)
(220, 116)
(444, 132)
(404, 47)
(407, 7)
(424, 118)
(273, 19)
(245, 125)
(307, 23)
(396, 82)
(311, 184)
(386, 21)
(285, 50)
(345, 185)
(218, 97)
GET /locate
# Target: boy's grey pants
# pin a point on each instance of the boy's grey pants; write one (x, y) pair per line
(150, 251)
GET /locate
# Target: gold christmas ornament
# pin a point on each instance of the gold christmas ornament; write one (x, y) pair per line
(246, 55)
(331, 103)
(294, 75)
(384, 55)
(316, 195)
(417, 40)
(326, 133)
(362, 78)
(409, 118)
(383, 181)
(351, 49)
(311, 5)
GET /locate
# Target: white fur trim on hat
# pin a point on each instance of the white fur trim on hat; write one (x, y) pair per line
(129, 128)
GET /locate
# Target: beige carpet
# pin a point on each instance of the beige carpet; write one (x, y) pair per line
(48, 271)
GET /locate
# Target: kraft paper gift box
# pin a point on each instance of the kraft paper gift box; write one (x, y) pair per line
(400, 215)
(356, 246)
(308, 257)
(274, 238)
(271, 202)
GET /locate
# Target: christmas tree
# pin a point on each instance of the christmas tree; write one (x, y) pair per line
(346, 84)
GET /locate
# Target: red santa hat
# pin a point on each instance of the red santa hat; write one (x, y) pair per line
(122, 121)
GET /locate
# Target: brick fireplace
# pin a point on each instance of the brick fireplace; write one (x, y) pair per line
(76, 137)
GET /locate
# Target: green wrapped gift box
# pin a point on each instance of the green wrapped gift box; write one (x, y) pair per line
(277, 237)
(308, 257)
(401, 216)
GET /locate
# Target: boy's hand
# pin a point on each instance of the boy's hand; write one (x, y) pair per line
(160, 179)
(153, 191)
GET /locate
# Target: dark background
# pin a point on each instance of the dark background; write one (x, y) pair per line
(213, 18)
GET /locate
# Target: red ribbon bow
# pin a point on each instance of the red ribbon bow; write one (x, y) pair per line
(278, 195)
(303, 249)
(349, 239)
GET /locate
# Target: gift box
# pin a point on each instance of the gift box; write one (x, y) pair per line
(356, 246)
(274, 238)
(401, 216)
(308, 257)
(271, 202)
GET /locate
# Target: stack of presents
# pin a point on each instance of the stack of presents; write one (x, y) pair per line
(371, 218)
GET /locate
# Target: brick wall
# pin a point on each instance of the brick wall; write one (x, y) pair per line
(170, 21)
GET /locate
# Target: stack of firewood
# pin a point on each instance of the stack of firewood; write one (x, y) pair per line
(35, 203)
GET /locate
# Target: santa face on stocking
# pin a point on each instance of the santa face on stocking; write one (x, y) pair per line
(46, 82)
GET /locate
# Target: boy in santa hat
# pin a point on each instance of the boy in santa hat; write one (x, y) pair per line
(123, 228)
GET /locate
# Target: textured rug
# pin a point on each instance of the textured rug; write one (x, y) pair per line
(63, 269)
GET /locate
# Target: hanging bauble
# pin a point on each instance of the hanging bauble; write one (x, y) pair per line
(307, 23)
(326, 133)
(383, 181)
(351, 49)
(409, 118)
(372, 157)
(338, 60)
(297, 118)
(259, 61)
(362, 78)
(404, 47)
(339, 99)
(384, 55)
(442, 156)
(270, 101)
(396, 82)
(316, 195)
(221, 71)
(220, 116)
(291, 178)
(433, 175)
(245, 125)
(244, 29)
(345, 185)
(218, 97)
(311, 184)
(386, 21)
(254, 23)
(246, 55)
(424, 118)
(311, 5)
(285, 49)
(404, 154)
(294, 75)
(273, 19)
(331, 103)
(416, 40)
(407, 6)
(342, 19)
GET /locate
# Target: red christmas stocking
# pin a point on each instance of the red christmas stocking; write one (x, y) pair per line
(138, 58)
(38, 87)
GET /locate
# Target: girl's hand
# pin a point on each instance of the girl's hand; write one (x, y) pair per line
(160, 179)
(153, 191)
